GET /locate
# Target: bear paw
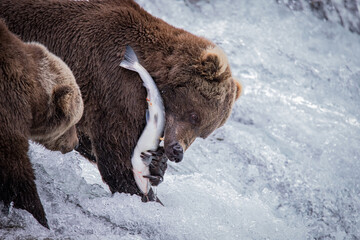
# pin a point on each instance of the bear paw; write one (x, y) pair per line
(157, 162)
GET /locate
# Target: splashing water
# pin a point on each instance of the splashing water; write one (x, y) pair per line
(285, 165)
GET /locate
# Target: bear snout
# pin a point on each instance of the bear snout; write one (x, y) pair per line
(71, 146)
(174, 152)
(66, 142)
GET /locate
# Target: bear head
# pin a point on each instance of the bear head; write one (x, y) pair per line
(54, 122)
(199, 92)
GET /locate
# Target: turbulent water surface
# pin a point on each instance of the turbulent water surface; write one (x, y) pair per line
(285, 166)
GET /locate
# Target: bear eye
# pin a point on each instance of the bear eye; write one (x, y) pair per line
(194, 118)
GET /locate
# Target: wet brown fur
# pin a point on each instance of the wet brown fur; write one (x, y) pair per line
(39, 100)
(91, 38)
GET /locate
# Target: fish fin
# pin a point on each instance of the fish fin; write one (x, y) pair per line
(129, 59)
(147, 115)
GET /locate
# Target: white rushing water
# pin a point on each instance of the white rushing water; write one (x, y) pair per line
(285, 166)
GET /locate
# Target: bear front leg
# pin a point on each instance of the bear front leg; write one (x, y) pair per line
(118, 173)
(157, 166)
(114, 165)
(17, 177)
(28, 199)
(114, 137)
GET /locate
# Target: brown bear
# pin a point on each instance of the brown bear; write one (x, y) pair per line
(39, 100)
(192, 74)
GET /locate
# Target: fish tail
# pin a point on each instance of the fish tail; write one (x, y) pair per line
(129, 59)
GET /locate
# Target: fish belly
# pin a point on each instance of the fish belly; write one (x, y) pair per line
(140, 170)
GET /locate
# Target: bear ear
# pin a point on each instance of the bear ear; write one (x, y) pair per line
(239, 89)
(62, 99)
(213, 64)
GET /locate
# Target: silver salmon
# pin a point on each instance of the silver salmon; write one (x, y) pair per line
(155, 121)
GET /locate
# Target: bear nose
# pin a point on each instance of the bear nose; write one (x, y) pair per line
(176, 152)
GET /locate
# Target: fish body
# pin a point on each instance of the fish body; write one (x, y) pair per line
(155, 118)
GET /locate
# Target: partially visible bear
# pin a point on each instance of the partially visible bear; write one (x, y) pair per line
(39, 100)
(192, 74)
